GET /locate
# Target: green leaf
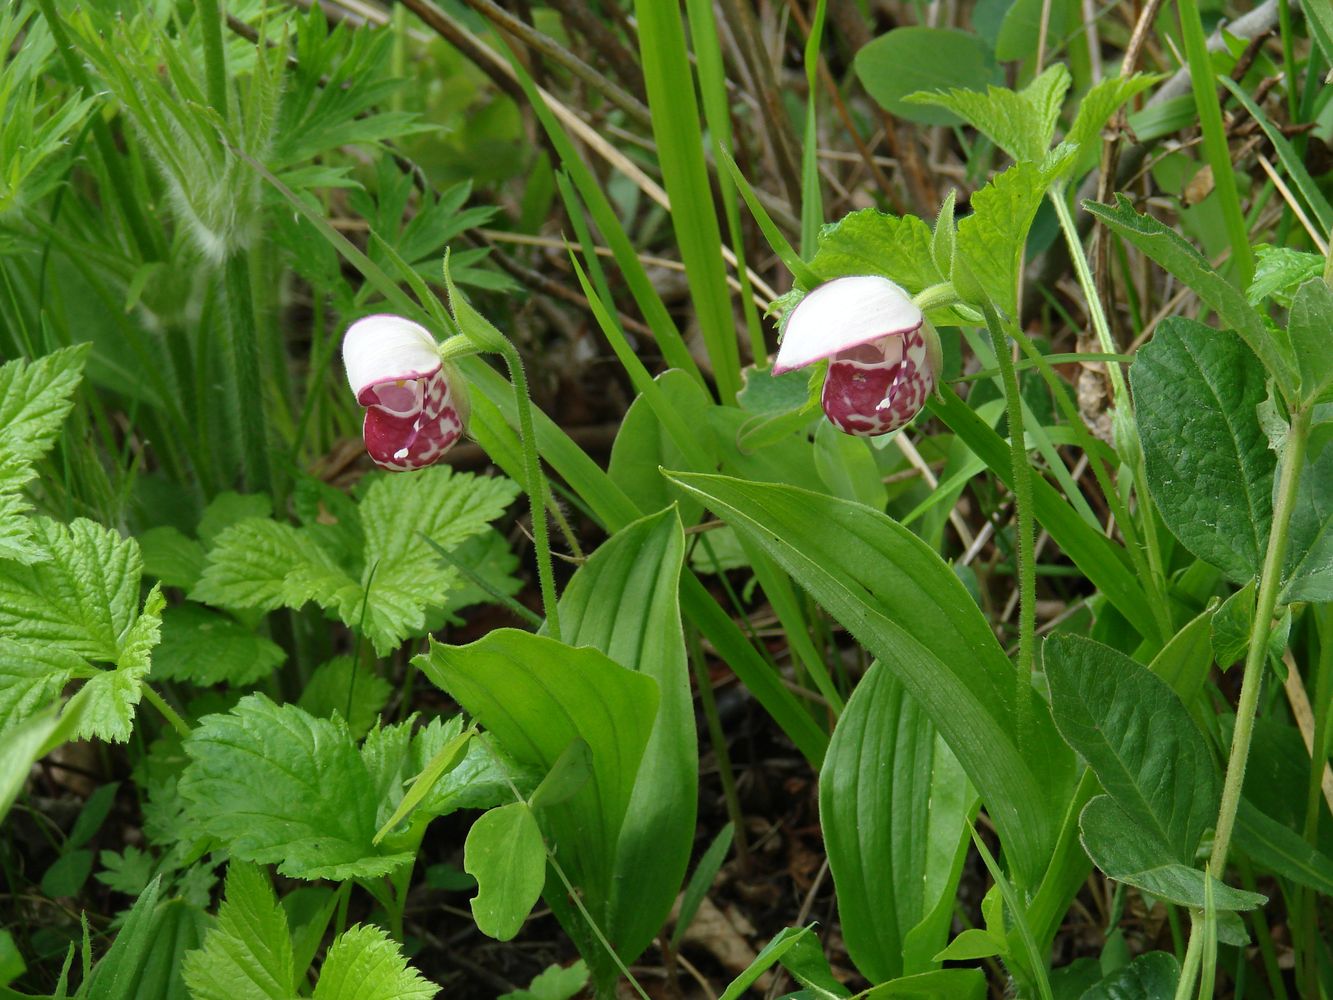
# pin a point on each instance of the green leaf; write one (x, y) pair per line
(208, 647)
(35, 398)
(1173, 253)
(1281, 850)
(535, 696)
(1103, 100)
(568, 774)
(895, 595)
(505, 853)
(83, 596)
(847, 466)
(1128, 852)
(364, 963)
(1148, 976)
(1279, 271)
(1137, 736)
(258, 563)
(893, 802)
(906, 60)
(553, 984)
(1207, 460)
(772, 952)
(228, 508)
(454, 745)
(32, 676)
(869, 241)
(1022, 123)
(990, 241)
(128, 871)
(1309, 566)
(356, 693)
(701, 881)
(625, 602)
(147, 957)
(67, 874)
(110, 696)
(278, 786)
(171, 557)
(248, 955)
(943, 984)
(1310, 327)
(1184, 662)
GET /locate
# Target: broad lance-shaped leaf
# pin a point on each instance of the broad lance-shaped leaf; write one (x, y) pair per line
(1207, 460)
(1172, 252)
(900, 601)
(1309, 569)
(535, 696)
(35, 398)
(892, 803)
(278, 786)
(1160, 779)
(625, 602)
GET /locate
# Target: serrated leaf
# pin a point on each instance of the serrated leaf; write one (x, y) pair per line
(31, 678)
(1022, 123)
(364, 963)
(83, 596)
(869, 241)
(127, 871)
(277, 785)
(248, 955)
(1208, 464)
(990, 241)
(172, 557)
(505, 853)
(1278, 271)
(228, 508)
(258, 563)
(110, 696)
(555, 983)
(208, 647)
(35, 398)
(358, 694)
(1102, 101)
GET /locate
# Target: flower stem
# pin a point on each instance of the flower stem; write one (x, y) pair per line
(1269, 580)
(1293, 457)
(536, 485)
(1022, 476)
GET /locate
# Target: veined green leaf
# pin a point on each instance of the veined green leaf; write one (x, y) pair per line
(908, 608)
(248, 955)
(364, 963)
(504, 852)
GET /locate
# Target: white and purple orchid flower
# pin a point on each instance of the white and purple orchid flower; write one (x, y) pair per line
(415, 405)
(883, 356)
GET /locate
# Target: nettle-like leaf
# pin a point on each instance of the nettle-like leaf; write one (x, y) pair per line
(77, 607)
(366, 964)
(35, 398)
(248, 955)
(1022, 122)
(389, 584)
(989, 245)
(356, 693)
(1104, 99)
(207, 647)
(277, 785)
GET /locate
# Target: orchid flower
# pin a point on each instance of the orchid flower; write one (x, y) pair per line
(415, 404)
(884, 358)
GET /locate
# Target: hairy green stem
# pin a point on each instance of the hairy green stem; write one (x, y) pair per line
(536, 489)
(1270, 580)
(170, 714)
(215, 61)
(1022, 475)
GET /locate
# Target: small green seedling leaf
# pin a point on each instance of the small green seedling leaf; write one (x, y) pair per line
(568, 774)
(505, 853)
